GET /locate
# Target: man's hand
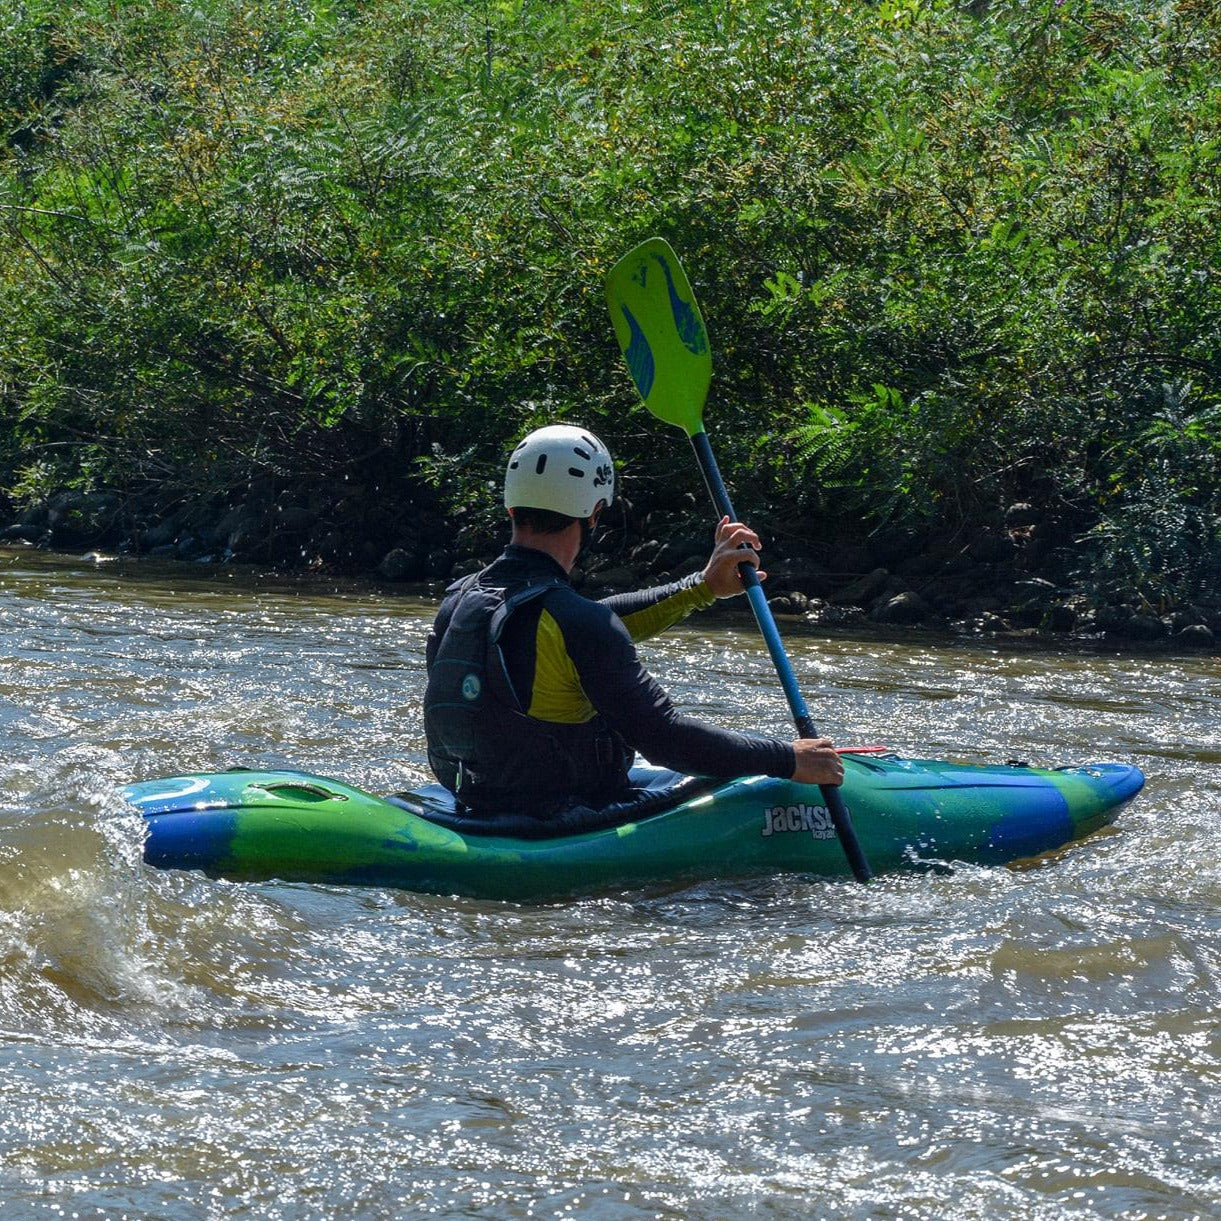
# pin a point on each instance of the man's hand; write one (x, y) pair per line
(721, 572)
(817, 762)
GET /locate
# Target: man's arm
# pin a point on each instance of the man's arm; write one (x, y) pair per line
(651, 611)
(637, 706)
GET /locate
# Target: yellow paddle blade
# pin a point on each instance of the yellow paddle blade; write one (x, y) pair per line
(661, 333)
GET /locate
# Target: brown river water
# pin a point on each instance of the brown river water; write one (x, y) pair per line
(991, 1043)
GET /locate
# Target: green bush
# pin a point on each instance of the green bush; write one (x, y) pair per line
(950, 256)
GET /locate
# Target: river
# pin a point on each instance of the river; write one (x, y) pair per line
(986, 1044)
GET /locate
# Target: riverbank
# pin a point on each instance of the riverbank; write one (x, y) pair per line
(304, 243)
(1011, 579)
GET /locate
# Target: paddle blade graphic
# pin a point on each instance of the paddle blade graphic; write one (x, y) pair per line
(661, 333)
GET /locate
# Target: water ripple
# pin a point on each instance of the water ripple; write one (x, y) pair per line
(988, 1043)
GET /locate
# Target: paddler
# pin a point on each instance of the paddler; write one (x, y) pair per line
(537, 701)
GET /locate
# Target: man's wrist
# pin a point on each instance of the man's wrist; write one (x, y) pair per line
(704, 595)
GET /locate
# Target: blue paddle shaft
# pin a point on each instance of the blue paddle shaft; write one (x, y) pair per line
(831, 796)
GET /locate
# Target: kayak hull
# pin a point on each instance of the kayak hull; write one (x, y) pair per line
(908, 813)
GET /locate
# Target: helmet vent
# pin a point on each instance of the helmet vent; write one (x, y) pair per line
(581, 453)
(541, 464)
(575, 471)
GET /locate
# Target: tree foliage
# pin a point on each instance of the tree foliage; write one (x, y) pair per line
(950, 256)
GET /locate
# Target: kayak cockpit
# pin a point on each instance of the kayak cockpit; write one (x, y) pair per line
(653, 791)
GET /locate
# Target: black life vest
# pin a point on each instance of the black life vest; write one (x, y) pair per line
(482, 745)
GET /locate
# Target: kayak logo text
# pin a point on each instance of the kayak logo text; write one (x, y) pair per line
(786, 820)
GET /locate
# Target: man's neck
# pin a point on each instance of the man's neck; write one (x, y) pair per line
(563, 547)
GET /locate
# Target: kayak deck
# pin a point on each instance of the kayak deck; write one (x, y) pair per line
(908, 813)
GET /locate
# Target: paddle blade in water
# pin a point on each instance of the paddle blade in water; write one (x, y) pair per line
(661, 332)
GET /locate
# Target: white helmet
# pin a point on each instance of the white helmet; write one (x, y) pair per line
(561, 468)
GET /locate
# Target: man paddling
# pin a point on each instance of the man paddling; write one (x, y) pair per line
(536, 699)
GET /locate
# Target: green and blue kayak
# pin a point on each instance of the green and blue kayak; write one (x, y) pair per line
(909, 814)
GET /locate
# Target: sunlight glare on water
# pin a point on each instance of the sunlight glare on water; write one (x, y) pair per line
(985, 1043)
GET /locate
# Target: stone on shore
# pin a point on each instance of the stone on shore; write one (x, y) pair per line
(904, 609)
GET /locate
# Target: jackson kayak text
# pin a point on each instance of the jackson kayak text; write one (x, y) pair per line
(783, 820)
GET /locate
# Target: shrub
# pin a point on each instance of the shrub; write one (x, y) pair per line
(949, 256)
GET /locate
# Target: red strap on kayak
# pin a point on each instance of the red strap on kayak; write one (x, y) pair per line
(864, 750)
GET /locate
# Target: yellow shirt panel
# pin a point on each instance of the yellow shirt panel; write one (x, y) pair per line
(557, 695)
(666, 613)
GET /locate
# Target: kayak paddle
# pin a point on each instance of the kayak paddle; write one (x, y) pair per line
(662, 335)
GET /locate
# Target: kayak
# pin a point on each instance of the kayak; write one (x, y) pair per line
(909, 814)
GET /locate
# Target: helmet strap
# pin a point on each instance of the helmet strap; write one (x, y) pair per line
(587, 534)
(590, 529)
